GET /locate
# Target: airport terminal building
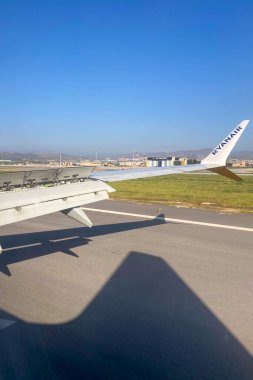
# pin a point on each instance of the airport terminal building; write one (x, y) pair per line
(165, 161)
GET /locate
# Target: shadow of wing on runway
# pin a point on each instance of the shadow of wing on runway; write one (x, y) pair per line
(145, 323)
(45, 243)
(46, 247)
(10, 241)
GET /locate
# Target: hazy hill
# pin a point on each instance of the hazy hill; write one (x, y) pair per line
(198, 154)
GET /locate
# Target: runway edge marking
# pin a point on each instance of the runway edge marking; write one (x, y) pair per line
(183, 221)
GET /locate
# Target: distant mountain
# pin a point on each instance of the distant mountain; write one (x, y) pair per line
(243, 155)
(193, 154)
(16, 156)
(201, 153)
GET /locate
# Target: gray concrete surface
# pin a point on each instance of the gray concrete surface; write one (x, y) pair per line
(128, 299)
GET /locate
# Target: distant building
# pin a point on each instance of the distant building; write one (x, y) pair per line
(89, 163)
(125, 163)
(192, 161)
(130, 163)
(165, 161)
(240, 164)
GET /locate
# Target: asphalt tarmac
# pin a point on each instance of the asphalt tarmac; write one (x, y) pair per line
(132, 298)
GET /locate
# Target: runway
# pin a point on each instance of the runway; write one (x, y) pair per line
(150, 292)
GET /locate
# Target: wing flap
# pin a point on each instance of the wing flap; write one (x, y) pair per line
(9, 180)
(26, 204)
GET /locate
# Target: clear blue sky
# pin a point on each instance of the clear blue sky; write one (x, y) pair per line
(112, 76)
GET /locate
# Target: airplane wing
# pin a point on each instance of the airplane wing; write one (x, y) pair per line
(24, 195)
(215, 162)
(27, 194)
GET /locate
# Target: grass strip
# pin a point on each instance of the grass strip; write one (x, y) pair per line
(189, 190)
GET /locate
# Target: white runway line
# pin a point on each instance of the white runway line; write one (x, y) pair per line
(184, 221)
(4, 323)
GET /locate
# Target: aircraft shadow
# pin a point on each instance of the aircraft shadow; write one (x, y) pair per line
(145, 323)
(48, 242)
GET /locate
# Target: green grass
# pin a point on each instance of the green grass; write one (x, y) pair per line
(189, 190)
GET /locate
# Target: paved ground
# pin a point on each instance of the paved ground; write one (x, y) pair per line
(129, 299)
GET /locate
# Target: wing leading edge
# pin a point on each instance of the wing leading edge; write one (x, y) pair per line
(214, 162)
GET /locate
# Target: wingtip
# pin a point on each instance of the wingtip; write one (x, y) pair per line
(245, 122)
(219, 155)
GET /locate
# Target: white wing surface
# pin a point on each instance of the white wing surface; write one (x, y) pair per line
(215, 162)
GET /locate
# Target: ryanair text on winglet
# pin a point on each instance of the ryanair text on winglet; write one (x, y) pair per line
(226, 140)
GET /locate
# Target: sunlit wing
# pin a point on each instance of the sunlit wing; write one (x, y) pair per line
(215, 162)
(24, 195)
